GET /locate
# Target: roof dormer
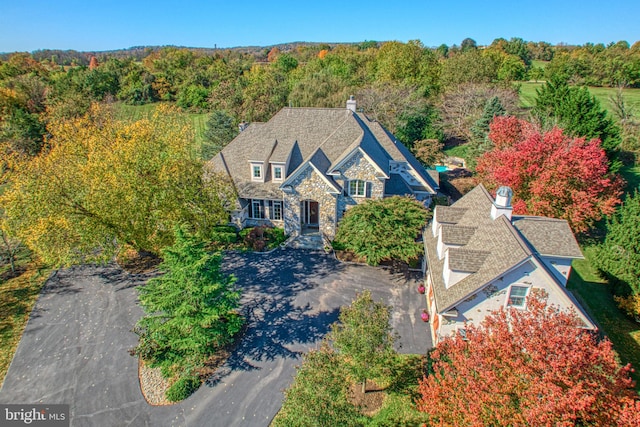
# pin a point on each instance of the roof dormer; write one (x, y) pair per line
(257, 171)
(278, 171)
(460, 263)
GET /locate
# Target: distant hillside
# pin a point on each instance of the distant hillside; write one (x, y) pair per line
(74, 57)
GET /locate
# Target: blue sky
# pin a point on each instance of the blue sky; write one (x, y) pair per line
(96, 25)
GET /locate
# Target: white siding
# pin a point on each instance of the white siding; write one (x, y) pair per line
(494, 296)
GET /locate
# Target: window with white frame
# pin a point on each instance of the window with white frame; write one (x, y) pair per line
(256, 209)
(277, 173)
(256, 172)
(517, 296)
(275, 210)
(357, 188)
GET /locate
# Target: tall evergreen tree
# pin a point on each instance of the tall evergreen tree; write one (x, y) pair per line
(619, 256)
(220, 131)
(577, 112)
(480, 129)
(191, 310)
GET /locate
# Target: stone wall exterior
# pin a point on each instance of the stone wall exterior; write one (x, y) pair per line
(310, 186)
(358, 167)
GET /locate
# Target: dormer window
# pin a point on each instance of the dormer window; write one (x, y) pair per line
(277, 173)
(517, 296)
(257, 174)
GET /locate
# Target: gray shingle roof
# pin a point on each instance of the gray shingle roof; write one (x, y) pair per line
(548, 236)
(499, 241)
(467, 260)
(396, 185)
(295, 134)
(457, 235)
(448, 214)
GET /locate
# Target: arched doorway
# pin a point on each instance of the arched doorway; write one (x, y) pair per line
(309, 216)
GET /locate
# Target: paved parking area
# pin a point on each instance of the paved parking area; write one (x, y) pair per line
(75, 347)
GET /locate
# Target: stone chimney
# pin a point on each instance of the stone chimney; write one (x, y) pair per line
(351, 104)
(502, 204)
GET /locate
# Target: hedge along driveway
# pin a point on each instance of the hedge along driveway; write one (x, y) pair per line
(74, 349)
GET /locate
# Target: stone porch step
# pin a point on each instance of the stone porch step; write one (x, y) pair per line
(308, 241)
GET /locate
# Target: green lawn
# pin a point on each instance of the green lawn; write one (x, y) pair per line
(17, 297)
(595, 296)
(539, 64)
(632, 96)
(136, 112)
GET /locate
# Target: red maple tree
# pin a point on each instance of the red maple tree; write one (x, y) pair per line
(550, 173)
(527, 367)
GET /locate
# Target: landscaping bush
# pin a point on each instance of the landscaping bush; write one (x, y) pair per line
(190, 310)
(183, 388)
(386, 229)
(253, 238)
(319, 394)
(262, 237)
(275, 237)
(224, 235)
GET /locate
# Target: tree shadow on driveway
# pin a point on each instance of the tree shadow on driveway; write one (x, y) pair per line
(280, 322)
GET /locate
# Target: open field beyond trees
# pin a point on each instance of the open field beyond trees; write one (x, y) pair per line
(602, 94)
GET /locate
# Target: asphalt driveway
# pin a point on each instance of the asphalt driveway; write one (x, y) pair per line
(74, 348)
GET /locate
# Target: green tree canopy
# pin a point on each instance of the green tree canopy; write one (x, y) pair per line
(319, 394)
(363, 337)
(221, 129)
(102, 183)
(480, 129)
(577, 112)
(619, 256)
(383, 229)
(190, 311)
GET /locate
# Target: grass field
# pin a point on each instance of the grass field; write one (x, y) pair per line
(539, 64)
(17, 297)
(631, 96)
(136, 112)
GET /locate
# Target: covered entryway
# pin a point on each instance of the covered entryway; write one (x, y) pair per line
(309, 216)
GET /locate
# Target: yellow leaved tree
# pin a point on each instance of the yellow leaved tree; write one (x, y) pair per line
(100, 183)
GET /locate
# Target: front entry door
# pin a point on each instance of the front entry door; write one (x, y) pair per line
(309, 213)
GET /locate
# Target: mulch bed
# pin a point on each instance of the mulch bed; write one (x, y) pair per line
(348, 256)
(371, 401)
(154, 386)
(138, 262)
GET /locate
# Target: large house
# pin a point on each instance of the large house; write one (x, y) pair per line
(480, 257)
(305, 167)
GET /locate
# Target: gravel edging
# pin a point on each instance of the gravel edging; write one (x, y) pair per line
(153, 385)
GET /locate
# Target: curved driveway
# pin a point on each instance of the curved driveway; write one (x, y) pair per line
(74, 348)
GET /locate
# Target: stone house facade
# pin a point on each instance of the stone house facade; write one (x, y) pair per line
(305, 167)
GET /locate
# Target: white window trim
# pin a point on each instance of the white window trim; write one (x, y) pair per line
(257, 178)
(273, 172)
(272, 210)
(364, 188)
(524, 304)
(261, 203)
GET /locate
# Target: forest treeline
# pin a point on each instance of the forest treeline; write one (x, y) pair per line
(394, 82)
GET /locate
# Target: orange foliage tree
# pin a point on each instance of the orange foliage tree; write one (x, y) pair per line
(533, 367)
